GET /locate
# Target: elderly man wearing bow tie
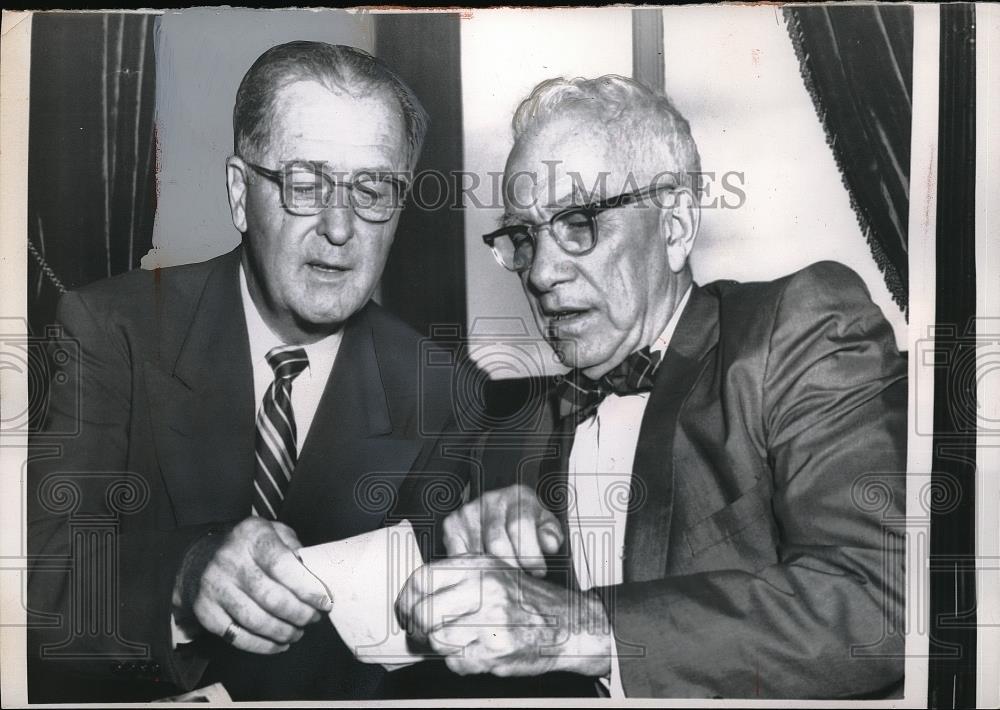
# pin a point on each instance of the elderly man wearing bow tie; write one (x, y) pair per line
(686, 523)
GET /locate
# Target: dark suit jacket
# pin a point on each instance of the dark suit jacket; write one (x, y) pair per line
(763, 554)
(159, 386)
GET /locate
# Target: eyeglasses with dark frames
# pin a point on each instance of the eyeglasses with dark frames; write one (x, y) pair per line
(307, 189)
(575, 230)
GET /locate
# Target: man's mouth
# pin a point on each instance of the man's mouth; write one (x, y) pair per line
(563, 316)
(326, 268)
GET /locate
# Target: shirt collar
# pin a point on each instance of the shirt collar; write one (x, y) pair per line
(321, 354)
(661, 343)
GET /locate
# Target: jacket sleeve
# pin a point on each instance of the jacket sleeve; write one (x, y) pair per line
(99, 592)
(824, 621)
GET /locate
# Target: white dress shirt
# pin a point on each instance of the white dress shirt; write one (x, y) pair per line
(600, 473)
(307, 388)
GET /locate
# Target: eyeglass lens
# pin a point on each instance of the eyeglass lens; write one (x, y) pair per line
(573, 231)
(308, 191)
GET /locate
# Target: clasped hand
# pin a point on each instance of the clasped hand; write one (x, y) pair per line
(486, 609)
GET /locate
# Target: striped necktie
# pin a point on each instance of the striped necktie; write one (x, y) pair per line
(276, 436)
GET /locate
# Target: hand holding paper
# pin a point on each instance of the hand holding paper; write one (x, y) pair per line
(248, 587)
(363, 575)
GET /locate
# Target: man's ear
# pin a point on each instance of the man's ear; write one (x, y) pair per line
(679, 222)
(236, 182)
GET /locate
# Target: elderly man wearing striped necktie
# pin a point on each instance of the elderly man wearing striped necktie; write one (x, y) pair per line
(247, 401)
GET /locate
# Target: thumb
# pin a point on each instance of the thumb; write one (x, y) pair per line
(550, 535)
(287, 535)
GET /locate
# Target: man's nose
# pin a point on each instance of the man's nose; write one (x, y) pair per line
(551, 264)
(336, 223)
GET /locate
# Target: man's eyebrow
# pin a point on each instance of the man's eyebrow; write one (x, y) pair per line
(507, 219)
(324, 165)
(570, 199)
(573, 197)
(319, 167)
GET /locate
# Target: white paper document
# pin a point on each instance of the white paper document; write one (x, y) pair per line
(363, 575)
(214, 694)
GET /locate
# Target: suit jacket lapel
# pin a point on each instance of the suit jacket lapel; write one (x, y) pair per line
(553, 480)
(553, 491)
(647, 530)
(353, 453)
(354, 396)
(204, 418)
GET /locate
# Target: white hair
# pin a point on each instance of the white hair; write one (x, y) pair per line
(652, 133)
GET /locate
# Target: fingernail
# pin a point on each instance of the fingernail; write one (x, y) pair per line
(551, 537)
(325, 602)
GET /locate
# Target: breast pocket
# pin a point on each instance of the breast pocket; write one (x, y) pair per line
(743, 530)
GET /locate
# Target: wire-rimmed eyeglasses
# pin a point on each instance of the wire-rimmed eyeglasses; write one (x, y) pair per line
(307, 189)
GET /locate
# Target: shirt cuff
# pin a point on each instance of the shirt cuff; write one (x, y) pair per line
(178, 636)
(614, 684)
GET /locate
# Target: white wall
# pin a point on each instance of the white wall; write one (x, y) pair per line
(201, 56)
(732, 71)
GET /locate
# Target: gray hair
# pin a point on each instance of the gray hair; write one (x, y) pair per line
(339, 68)
(650, 130)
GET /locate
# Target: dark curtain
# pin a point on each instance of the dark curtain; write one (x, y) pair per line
(91, 191)
(857, 63)
(91, 178)
(424, 278)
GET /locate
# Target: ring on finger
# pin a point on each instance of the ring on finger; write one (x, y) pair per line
(229, 635)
